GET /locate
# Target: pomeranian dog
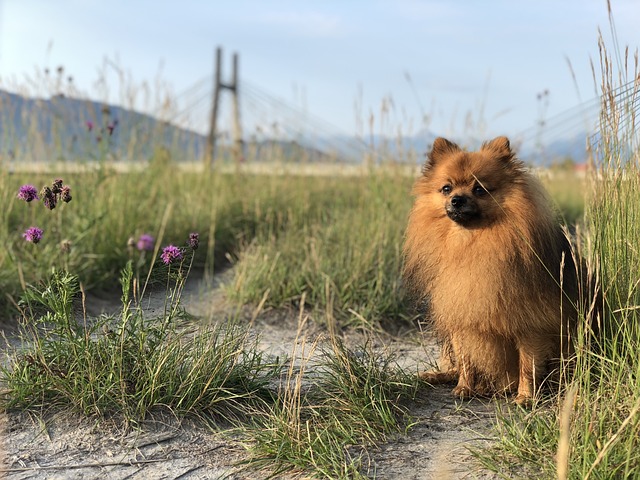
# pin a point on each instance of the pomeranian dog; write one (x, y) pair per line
(484, 248)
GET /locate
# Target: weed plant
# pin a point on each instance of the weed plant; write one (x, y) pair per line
(112, 210)
(125, 365)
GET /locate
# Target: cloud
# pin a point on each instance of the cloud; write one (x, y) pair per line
(305, 24)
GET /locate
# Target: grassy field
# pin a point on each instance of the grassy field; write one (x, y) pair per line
(335, 239)
(329, 246)
(290, 239)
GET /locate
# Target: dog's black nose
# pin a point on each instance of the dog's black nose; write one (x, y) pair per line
(458, 201)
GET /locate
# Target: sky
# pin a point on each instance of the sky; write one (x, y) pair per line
(453, 67)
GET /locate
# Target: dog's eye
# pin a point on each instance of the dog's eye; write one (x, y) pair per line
(446, 190)
(479, 191)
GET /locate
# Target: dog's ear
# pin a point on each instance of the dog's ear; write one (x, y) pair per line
(441, 148)
(499, 146)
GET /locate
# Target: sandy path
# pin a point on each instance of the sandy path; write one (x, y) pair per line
(65, 446)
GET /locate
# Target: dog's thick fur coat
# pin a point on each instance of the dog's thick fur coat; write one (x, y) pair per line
(484, 248)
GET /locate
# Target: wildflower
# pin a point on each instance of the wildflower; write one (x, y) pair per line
(65, 194)
(146, 242)
(28, 193)
(33, 234)
(110, 128)
(171, 254)
(48, 198)
(56, 186)
(194, 240)
(89, 125)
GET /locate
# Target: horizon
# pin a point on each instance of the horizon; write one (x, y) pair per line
(78, 123)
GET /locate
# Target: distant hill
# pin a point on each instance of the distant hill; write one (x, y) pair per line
(574, 147)
(71, 128)
(66, 128)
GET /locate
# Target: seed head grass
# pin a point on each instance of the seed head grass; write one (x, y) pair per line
(590, 429)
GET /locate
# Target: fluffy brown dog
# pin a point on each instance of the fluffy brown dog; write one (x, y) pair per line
(484, 247)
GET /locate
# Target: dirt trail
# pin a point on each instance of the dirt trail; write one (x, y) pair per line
(65, 446)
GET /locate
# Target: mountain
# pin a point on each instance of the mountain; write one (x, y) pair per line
(574, 147)
(70, 128)
(66, 128)
(528, 149)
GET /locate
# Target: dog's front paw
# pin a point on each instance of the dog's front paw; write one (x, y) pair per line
(435, 377)
(462, 391)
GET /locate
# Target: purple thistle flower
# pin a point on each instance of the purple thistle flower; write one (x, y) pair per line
(171, 254)
(65, 193)
(28, 193)
(194, 240)
(56, 186)
(33, 234)
(110, 128)
(48, 198)
(145, 242)
(89, 125)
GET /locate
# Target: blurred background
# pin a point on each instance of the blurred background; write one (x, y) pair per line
(316, 81)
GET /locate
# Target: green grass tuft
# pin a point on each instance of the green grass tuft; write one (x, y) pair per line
(328, 430)
(344, 258)
(127, 365)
